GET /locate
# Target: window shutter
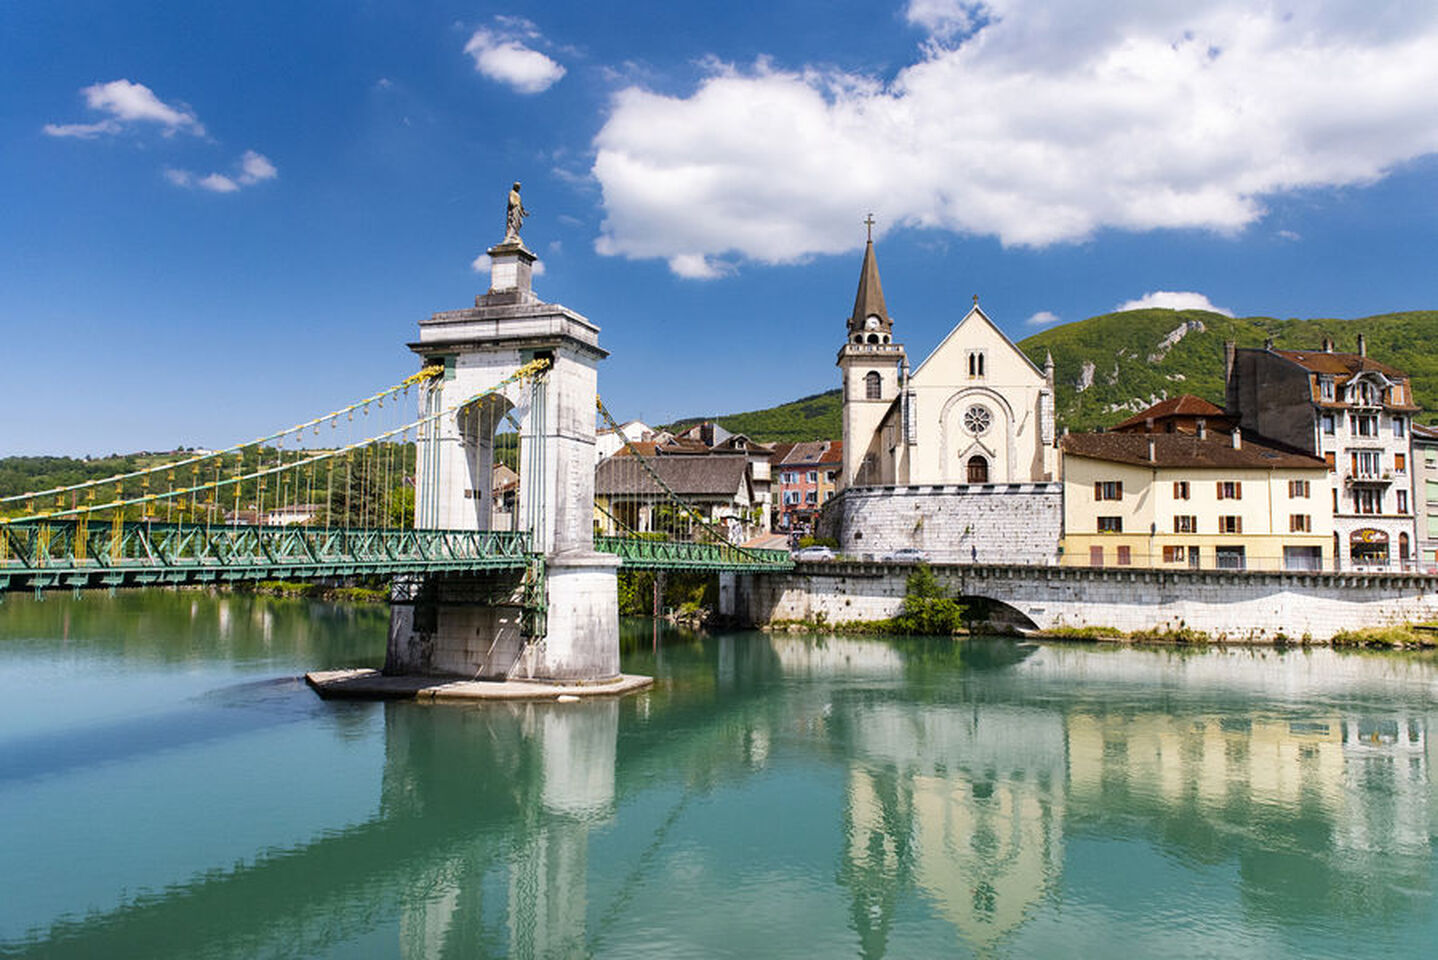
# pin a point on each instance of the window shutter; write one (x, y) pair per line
(1238, 490)
(1097, 490)
(1219, 487)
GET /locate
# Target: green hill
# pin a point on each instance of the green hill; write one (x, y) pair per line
(811, 418)
(1110, 366)
(1114, 365)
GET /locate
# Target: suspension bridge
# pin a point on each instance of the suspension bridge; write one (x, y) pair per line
(469, 486)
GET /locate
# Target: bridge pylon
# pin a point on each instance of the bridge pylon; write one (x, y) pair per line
(475, 625)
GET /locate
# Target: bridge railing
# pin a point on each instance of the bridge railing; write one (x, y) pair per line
(77, 552)
(648, 553)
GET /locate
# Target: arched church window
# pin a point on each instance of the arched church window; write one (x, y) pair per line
(872, 388)
(978, 469)
(1403, 547)
(976, 364)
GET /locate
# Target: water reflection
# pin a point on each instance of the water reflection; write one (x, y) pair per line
(786, 795)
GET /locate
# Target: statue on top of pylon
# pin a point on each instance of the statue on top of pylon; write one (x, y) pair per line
(514, 215)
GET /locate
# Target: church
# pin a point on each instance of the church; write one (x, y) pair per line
(955, 458)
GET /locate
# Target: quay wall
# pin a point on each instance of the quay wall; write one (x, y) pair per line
(1021, 522)
(1229, 605)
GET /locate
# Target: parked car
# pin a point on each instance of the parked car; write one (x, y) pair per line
(906, 555)
(813, 553)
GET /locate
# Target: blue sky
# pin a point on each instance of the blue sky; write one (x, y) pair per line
(221, 219)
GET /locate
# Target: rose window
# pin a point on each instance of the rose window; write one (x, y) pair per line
(977, 420)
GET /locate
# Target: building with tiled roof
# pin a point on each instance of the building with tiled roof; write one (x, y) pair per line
(1180, 414)
(805, 479)
(1201, 500)
(634, 495)
(1356, 413)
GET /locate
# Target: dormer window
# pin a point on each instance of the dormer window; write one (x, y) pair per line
(1325, 388)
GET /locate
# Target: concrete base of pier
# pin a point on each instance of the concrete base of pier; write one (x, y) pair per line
(374, 685)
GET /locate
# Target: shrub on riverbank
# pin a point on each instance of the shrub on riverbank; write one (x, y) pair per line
(1392, 637)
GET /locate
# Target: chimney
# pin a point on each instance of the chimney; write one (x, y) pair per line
(1151, 452)
(1327, 344)
(1237, 439)
(1362, 346)
(1202, 425)
(1148, 424)
(1268, 344)
(1230, 352)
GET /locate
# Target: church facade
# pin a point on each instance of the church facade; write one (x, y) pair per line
(955, 457)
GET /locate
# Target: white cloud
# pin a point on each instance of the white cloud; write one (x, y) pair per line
(128, 103)
(502, 55)
(1042, 123)
(1289, 235)
(694, 266)
(1173, 300)
(218, 182)
(252, 167)
(255, 167)
(1044, 318)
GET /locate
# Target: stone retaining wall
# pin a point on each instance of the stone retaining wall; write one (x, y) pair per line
(1235, 606)
(1021, 522)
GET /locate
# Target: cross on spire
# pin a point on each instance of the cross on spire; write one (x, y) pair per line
(869, 224)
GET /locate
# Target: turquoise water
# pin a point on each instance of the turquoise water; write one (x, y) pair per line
(169, 789)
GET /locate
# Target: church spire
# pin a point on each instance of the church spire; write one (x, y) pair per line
(869, 301)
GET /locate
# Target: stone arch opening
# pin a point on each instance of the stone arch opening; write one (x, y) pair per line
(989, 615)
(495, 508)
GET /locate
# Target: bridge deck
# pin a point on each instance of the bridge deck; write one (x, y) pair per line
(49, 554)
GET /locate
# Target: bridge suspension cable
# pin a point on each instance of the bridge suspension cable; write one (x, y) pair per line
(385, 458)
(421, 377)
(636, 510)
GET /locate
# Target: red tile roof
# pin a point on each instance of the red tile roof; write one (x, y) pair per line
(1187, 450)
(1183, 405)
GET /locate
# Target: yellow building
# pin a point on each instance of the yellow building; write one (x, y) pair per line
(1194, 501)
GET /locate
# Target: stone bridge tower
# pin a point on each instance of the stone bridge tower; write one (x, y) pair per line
(456, 626)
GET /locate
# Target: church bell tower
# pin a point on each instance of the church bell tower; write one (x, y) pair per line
(874, 370)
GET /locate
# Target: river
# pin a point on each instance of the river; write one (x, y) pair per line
(170, 788)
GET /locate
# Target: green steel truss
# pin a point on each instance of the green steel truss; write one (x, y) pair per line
(56, 554)
(646, 554)
(42, 555)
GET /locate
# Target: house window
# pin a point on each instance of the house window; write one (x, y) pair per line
(1230, 524)
(1110, 524)
(1328, 458)
(1125, 557)
(1298, 489)
(1300, 523)
(812, 496)
(813, 476)
(1366, 463)
(1402, 501)
(1400, 463)
(1229, 558)
(1173, 554)
(976, 364)
(830, 475)
(1367, 501)
(1325, 387)
(1108, 490)
(1365, 425)
(1095, 556)
(872, 388)
(1230, 490)
(1403, 546)
(1400, 429)
(1327, 421)
(1180, 490)
(1185, 523)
